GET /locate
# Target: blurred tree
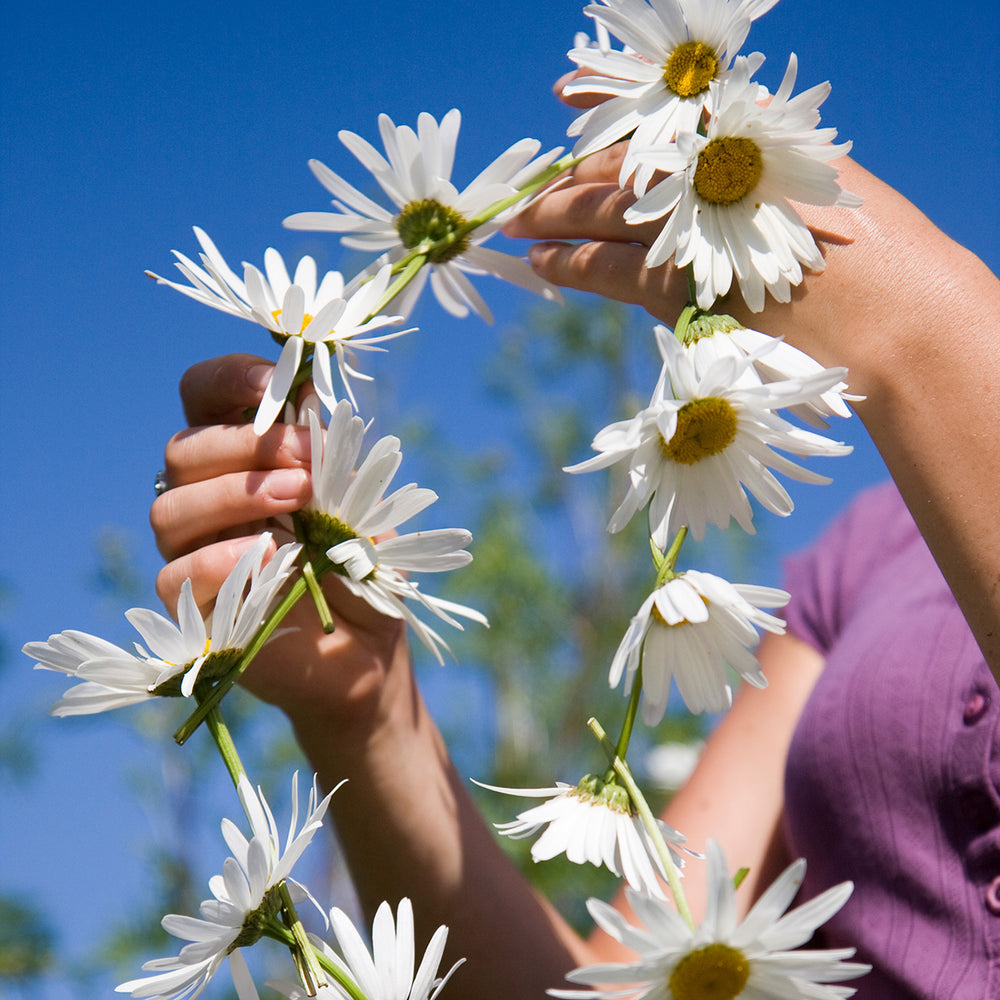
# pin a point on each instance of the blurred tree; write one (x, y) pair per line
(557, 588)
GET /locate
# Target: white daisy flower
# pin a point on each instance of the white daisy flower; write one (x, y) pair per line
(722, 959)
(691, 629)
(728, 192)
(593, 822)
(347, 511)
(301, 315)
(703, 438)
(245, 900)
(177, 654)
(385, 973)
(658, 86)
(712, 336)
(429, 211)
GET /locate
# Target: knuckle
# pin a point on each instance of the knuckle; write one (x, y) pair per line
(164, 584)
(215, 387)
(175, 455)
(290, 449)
(161, 514)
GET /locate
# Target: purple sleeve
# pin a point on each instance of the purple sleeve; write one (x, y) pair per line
(826, 579)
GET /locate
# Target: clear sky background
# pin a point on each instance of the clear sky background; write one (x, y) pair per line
(125, 124)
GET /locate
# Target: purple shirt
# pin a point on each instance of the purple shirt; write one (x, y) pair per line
(893, 779)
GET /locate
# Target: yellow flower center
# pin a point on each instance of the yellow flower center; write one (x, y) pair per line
(704, 427)
(728, 169)
(430, 226)
(715, 972)
(690, 68)
(306, 320)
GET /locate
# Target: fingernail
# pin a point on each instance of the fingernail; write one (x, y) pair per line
(286, 484)
(258, 376)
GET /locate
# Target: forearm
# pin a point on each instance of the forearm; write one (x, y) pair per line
(918, 333)
(408, 828)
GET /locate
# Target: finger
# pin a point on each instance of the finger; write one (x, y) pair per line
(577, 100)
(185, 517)
(602, 167)
(221, 389)
(614, 270)
(201, 453)
(206, 568)
(586, 211)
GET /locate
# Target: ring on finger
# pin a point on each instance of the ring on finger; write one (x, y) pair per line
(160, 484)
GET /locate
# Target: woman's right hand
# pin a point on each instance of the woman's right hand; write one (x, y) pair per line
(226, 485)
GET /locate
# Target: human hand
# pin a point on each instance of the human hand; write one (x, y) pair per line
(226, 486)
(883, 258)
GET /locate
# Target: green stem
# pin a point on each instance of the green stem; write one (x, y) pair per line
(630, 713)
(667, 561)
(279, 932)
(224, 741)
(684, 321)
(535, 184)
(319, 598)
(404, 271)
(621, 769)
(303, 953)
(692, 284)
(222, 687)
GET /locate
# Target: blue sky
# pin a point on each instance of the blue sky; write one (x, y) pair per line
(125, 124)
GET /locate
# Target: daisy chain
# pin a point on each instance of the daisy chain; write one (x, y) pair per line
(659, 85)
(727, 194)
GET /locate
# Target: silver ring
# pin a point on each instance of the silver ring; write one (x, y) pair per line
(160, 484)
